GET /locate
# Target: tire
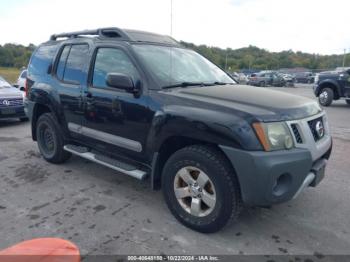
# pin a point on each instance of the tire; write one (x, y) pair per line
(23, 119)
(222, 185)
(347, 101)
(50, 139)
(262, 84)
(326, 96)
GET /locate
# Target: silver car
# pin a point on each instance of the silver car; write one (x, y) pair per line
(21, 80)
(11, 101)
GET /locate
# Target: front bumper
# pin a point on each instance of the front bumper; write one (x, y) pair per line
(12, 112)
(268, 178)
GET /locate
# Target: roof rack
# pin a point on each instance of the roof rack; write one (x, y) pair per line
(109, 32)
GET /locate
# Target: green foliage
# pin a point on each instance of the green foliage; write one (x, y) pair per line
(253, 57)
(9, 73)
(12, 55)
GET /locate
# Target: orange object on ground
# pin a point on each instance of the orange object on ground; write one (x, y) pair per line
(41, 250)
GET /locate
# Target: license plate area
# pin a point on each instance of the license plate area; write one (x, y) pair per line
(8, 111)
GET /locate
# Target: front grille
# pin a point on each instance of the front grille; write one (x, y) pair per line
(296, 133)
(312, 125)
(11, 102)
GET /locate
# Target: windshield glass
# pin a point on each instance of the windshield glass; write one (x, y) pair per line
(4, 83)
(172, 66)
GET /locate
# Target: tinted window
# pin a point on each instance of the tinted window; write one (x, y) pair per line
(42, 59)
(62, 62)
(76, 63)
(111, 60)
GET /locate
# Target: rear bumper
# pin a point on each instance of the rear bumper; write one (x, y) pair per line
(268, 178)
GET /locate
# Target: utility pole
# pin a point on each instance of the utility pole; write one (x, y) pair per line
(344, 57)
(226, 61)
(171, 18)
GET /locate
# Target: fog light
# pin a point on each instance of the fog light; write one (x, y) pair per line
(282, 184)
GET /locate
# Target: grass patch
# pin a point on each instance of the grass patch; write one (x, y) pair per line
(10, 73)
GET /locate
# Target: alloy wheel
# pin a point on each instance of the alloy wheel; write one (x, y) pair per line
(195, 192)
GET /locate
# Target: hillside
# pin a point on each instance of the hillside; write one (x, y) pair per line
(12, 55)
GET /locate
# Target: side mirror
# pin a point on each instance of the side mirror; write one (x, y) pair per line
(120, 81)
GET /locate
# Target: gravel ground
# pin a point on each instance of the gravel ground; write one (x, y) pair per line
(108, 213)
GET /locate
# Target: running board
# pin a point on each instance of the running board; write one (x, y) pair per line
(106, 161)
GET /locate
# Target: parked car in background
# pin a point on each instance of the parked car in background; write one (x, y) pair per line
(288, 79)
(332, 85)
(20, 84)
(304, 77)
(11, 101)
(266, 78)
(239, 77)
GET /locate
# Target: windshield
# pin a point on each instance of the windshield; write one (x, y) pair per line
(173, 66)
(4, 83)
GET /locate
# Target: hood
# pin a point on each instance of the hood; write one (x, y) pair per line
(261, 103)
(10, 92)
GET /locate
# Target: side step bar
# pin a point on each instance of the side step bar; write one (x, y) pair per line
(106, 161)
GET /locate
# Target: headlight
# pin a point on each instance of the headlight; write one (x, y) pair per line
(274, 136)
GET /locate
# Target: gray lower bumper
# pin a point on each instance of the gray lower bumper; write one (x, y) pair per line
(268, 178)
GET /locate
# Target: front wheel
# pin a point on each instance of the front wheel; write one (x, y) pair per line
(50, 139)
(200, 188)
(326, 96)
(347, 101)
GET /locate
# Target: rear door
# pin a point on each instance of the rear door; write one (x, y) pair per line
(70, 76)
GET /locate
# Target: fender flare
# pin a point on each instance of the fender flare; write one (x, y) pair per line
(329, 82)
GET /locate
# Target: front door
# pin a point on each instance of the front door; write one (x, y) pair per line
(115, 120)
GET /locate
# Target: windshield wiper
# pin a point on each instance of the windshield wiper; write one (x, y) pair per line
(184, 84)
(217, 83)
(187, 84)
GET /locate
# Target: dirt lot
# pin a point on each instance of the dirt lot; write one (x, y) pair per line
(108, 213)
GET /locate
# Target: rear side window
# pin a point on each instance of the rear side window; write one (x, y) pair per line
(42, 59)
(72, 63)
(62, 62)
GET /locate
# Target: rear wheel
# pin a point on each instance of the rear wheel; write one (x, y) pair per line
(326, 96)
(200, 188)
(262, 84)
(50, 139)
(347, 101)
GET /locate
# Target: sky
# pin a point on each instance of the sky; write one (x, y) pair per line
(311, 26)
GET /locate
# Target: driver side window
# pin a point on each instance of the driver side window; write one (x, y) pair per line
(112, 60)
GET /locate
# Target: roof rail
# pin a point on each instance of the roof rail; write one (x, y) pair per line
(101, 32)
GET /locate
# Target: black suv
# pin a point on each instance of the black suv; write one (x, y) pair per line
(145, 106)
(333, 85)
